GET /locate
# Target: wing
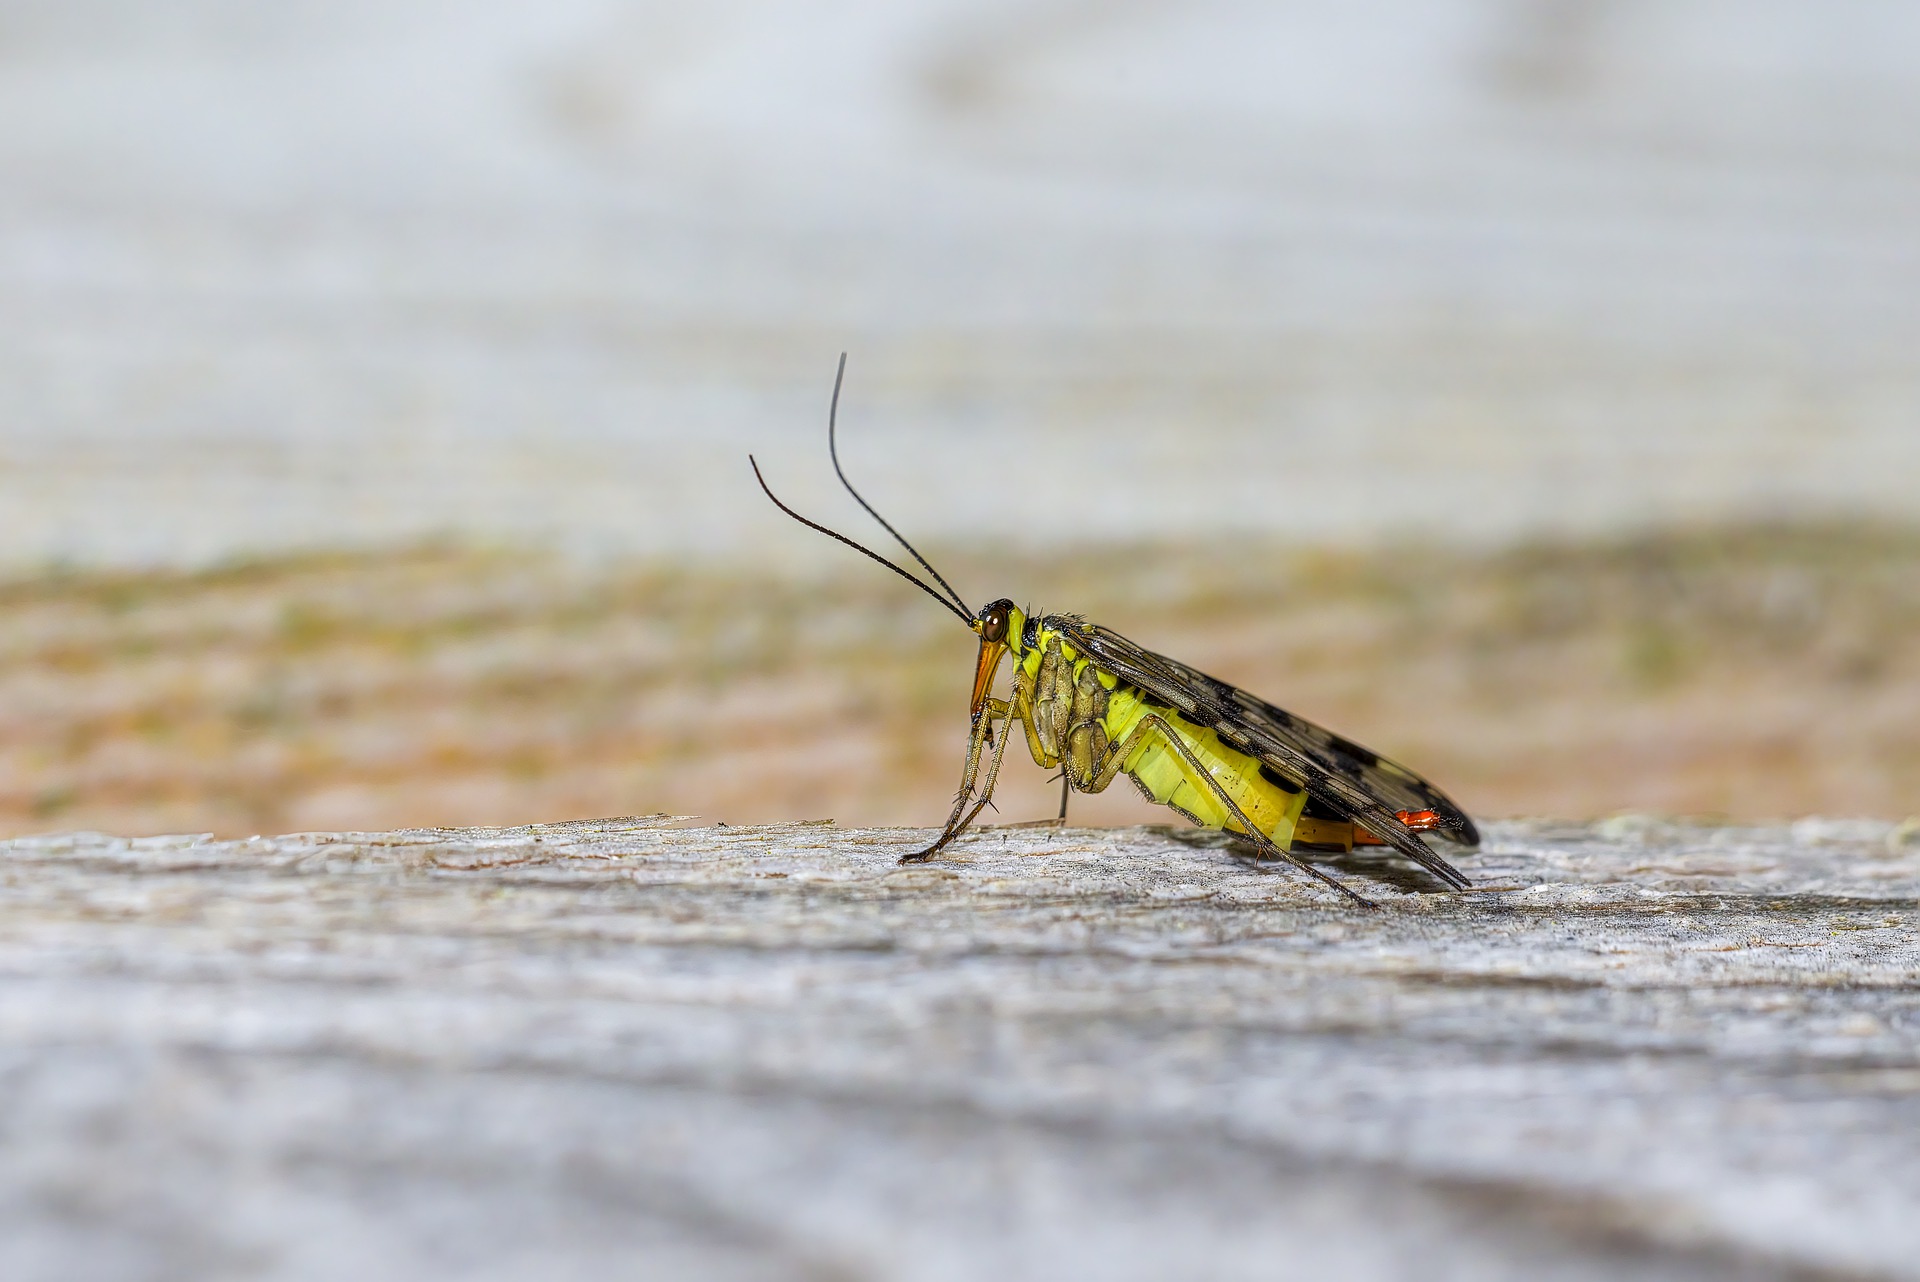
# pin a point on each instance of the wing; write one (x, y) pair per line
(1354, 782)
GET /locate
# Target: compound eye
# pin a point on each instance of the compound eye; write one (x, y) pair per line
(993, 628)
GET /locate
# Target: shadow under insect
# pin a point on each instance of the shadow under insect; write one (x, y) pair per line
(1379, 864)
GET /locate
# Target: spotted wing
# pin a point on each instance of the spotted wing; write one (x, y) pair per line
(1351, 781)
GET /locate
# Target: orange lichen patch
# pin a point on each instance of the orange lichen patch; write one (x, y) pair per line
(1746, 672)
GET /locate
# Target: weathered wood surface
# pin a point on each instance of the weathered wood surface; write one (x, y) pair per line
(626, 1048)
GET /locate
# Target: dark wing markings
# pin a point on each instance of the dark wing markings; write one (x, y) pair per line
(1386, 780)
(1355, 782)
(1277, 779)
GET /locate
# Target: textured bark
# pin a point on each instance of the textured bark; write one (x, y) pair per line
(599, 1048)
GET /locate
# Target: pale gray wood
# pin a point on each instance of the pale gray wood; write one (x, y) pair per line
(630, 1047)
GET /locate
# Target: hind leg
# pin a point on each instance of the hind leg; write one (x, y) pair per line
(1153, 728)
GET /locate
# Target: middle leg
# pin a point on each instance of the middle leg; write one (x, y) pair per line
(1066, 790)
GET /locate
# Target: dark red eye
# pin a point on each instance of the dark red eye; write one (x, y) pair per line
(993, 621)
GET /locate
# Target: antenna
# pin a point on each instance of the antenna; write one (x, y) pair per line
(833, 452)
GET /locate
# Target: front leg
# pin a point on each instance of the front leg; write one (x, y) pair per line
(955, 824)
(981, 734)
(1008, 711)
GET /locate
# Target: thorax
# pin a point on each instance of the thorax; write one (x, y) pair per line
(1066, 689)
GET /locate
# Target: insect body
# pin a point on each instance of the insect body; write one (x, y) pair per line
(1097, 706)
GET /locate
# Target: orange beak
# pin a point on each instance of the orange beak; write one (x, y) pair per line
(991, 652)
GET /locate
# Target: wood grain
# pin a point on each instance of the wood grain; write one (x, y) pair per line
(634, 1045)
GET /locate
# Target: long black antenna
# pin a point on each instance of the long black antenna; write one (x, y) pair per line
(833, 452)
(965, 617)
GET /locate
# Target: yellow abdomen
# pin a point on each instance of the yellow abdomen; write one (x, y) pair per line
(1270, 803)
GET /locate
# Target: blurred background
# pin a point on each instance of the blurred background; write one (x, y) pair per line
(1528, 388)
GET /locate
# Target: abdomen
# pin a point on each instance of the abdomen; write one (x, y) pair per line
(1268, 801)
